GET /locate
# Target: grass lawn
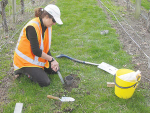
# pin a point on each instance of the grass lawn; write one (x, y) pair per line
(80, 38)
(144, 3)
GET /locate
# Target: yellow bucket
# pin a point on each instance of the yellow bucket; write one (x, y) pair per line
(124, 89)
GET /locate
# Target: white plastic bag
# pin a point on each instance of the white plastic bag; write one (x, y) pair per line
(130, 77)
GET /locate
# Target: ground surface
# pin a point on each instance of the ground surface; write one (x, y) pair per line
(139, 59)
(132, 33)
(74, 84)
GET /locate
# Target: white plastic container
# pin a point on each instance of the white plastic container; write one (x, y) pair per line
(130, 77)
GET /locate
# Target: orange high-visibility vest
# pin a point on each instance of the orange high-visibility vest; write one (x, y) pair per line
(23, 56)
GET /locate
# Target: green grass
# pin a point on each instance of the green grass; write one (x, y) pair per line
(144, 3)
(6, 61)
(79, 37)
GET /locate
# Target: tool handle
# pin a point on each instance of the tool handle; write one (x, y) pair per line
(52, 97)
(76, 60)
(60, 77)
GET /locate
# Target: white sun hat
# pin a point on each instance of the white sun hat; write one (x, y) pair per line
(55, 12)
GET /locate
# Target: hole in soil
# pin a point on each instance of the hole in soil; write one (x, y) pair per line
(76, 81)
(69, 80)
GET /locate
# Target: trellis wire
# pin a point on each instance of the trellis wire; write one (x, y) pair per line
(127, 34)
(134, 9)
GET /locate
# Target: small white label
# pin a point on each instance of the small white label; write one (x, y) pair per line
(18, 108)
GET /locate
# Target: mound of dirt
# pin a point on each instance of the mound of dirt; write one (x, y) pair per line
(76, 81)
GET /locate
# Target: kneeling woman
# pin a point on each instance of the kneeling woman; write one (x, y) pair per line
(32, 54)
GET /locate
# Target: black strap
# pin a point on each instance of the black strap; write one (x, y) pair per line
(121, 86)
(52, 60)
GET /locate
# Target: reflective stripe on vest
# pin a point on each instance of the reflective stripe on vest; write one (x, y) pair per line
(15, 67)
(49, 31)
(35, 61)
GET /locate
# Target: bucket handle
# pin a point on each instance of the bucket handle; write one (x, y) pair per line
(123, 87)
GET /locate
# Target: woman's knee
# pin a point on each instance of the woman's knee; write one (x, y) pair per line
(45, 83)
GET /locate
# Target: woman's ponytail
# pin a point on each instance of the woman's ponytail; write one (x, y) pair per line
(41, 13)
(38, 12)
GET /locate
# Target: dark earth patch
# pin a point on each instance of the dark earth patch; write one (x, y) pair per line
(75, 83)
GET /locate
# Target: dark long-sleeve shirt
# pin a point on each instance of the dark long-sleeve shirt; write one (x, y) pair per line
(32, 37)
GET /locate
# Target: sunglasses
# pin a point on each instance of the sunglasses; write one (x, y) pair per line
(53, 20)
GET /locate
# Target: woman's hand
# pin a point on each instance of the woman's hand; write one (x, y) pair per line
(55, 65)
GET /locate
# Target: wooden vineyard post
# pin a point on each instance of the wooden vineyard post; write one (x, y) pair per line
(14, 10)
(128, 5)
(22, 6)
(137, 9)
(148, 22)
(4, 23)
